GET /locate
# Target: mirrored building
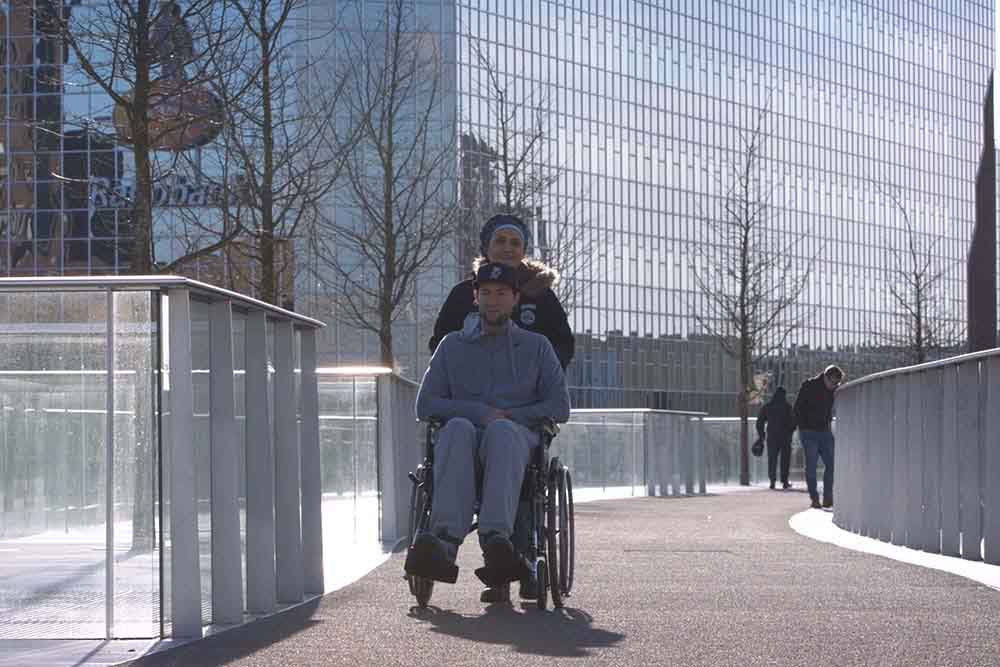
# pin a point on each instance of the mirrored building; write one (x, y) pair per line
(870, 114)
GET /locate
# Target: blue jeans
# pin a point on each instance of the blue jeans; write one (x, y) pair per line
(818, 445)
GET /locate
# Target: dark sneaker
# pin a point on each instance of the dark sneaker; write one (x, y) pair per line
(495, 594)
(528, 590)
(786, 485)
(428, 558)
(815, 504)
(772, 486)
(502, 564)
(827, 504)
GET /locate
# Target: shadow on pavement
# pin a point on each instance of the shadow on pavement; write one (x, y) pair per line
(239, 642)
(563, 632)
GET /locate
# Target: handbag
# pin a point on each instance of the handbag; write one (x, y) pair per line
(758, 447)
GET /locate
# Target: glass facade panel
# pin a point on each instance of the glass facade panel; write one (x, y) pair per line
(870, 145)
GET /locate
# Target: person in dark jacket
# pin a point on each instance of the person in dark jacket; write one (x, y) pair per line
(505, 239)
(813, 416)
(777, 417)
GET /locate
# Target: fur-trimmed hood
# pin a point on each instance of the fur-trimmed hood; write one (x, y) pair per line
(534, 275)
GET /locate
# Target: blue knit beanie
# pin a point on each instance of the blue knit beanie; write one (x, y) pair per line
(503, 221)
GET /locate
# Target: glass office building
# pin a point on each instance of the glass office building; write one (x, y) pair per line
(866, 105)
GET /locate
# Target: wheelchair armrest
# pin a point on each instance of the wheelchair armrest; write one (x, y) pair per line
(549, 430)
(432, 422)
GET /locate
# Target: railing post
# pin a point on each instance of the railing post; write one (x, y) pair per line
(847, 441)
(915, 463)
(699, 444)
(932, 394)
(650, 455)
(991, 463)
(969, 463)
(854, 427)
(950, 457)
(883, 477)
(227, 581)
(261, 592)
(688, 444)
(185, 575)
(675, 459)
(853, 422)
(312, 481)
(389, 485)
(900, 434)
(109, 472)
(288, 469)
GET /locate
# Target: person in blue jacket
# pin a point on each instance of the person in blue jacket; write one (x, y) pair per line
(494, 383)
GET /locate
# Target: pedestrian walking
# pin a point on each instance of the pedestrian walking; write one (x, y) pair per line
(775, 425)
(814, 416)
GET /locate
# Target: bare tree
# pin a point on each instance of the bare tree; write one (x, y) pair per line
(147, 57)
(750, 279)
(278, 160)
(510, 167)
(396, 207)
(923, 322)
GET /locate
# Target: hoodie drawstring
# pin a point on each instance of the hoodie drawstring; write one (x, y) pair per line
(510, 352)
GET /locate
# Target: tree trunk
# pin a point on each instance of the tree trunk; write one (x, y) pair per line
(385, 333)
(744, 413)
(141, 263)
(268, 277)
(140, 258)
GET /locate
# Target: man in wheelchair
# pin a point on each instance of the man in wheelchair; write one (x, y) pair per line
(492, 383)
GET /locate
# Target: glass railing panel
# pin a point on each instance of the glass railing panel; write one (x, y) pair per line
(53, 464)
(603, 450)
(202, 430)
(137, 554)
(239, 393)
(348, 424)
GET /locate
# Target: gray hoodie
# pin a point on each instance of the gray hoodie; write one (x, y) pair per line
(516, 370)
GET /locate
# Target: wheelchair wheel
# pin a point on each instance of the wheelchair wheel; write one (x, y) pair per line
(551, 534)
(420, 587)
(567, 531)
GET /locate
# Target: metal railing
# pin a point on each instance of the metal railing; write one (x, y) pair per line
(918, 457)
(160, 436)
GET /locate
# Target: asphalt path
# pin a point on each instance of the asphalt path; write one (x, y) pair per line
(715, 580)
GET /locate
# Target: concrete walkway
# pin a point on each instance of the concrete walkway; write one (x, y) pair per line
(717, 580)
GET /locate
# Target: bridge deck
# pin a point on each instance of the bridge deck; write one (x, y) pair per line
(717, 580)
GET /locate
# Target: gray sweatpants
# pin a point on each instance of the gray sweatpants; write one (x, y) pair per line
(503, 449)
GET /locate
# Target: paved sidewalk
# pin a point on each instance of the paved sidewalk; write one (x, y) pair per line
(718, 580)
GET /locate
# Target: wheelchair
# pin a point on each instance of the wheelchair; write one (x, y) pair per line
(547, 487)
